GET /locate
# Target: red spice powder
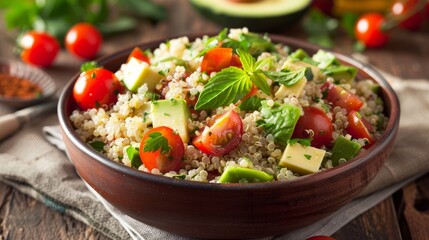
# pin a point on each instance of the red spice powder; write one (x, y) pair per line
(15, 87)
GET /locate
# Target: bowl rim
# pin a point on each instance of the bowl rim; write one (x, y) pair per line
(36, 72)
(379, 146)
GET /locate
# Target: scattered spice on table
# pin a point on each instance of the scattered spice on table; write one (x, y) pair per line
(16, 87)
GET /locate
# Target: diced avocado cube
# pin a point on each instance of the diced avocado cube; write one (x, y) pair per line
(302, 159)
(244, 175)
(296, 89)
(134, 156)
(172, 113)
(344, 149)
(137, 72)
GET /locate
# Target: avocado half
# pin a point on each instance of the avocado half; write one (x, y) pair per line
(257, 15)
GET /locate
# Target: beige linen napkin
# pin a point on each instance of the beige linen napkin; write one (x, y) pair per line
(43, 171)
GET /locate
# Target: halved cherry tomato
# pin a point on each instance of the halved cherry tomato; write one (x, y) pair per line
(339, 96)
(139, 54)
(320, 238)
(95, 88)
(219, 58)
(368, 30)
(316, 125)
(222, 135)
(401, 7)
(165, 162)
(83, 40)
(38, 48)
(358, 127)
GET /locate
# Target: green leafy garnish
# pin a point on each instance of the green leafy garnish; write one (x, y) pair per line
(307, 156)
(97, 145)
(251, 104)
(279, 120)
(156, 141)
(286, 76)
(299, 54)
(88, 66)
(319, 28)
(232, 84)
(324, 59)
(302, 141)
(134, 156)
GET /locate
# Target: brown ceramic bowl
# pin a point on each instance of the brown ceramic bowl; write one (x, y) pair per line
(234, 211)
(34, 75)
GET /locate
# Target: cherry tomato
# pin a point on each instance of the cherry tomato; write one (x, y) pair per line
(96, 87)
(38, 48)
(368, 30)
(320, 238)
(139, 54)
(222, 135)
(83, 40)
(252, 92)
(167, 161)
(339, 96)
(219, 58)
(314, 120)
(358, 127)
(401, 7)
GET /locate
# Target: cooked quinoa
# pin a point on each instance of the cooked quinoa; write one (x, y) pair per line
(124, 123)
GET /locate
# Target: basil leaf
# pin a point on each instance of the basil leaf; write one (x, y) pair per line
(261, 63)
(341, 74)
(156, 141)
(279, 120)
(134, 156)
(259, 80)
(286, 77)
(251, 104)
(247, 60)
(257, 43)
(226, 87)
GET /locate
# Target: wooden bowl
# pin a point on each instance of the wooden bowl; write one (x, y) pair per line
(205, 210)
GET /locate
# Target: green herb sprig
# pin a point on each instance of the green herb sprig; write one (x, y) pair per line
(156, 141)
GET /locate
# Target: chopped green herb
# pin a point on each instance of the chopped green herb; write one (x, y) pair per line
(152, 96)
(180, 176)
(134, 156)
(307, 156)
(88, 66)
(97, 145)
(309, 74)
(93, 75)
(326, 108)
(302, 141)
(156, 141)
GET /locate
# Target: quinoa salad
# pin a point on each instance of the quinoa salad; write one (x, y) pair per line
(230, 108)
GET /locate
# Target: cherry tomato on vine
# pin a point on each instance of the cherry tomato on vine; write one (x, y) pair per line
(95, 88)
(162, 148)
(401, 7)
(83, 40)
(222, 135)
(38, 48)
(219, 58)
(359, 127)
(368, 30)
(317, 121)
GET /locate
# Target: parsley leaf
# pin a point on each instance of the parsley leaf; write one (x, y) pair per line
(97, 145)
(302, 141)
(156, 141)
(134, 156)
(88, 66)
(285, 76)
(308, 156)
(279, 120)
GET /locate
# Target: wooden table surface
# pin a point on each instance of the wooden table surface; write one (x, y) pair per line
(398, 217)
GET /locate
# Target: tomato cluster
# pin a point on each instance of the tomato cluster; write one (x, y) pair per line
(83, 40)
(372, 28)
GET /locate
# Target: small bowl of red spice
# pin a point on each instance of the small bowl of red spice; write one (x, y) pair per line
(22, 85)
